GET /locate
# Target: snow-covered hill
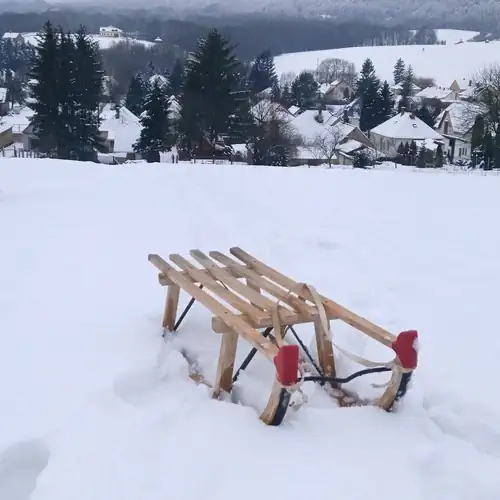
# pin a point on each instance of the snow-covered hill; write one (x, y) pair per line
(105, 42)
(95, 405)
(444, 63)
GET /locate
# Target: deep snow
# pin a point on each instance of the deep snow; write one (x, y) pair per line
(95, 405)
(443, 63)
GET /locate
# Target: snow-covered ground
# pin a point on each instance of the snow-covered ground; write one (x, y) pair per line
(95, 405)
(444, 63)
(105, 42)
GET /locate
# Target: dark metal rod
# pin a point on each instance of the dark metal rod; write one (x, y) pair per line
(250, 356)
(186, 310)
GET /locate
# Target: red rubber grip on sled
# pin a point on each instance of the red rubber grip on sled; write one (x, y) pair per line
(405, 347)
(287, 364)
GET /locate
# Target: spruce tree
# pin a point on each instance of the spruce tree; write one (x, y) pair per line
(176, 77)
(439, 159)
(477, 137)
(44, 73)
(211, 93)
(406, 89)
(368, 86)
(67, 137)
(421, 162)
(87, 95)
(157, 135)
(304, 90)
(262, 73)
(399, 71)
(386, 108)
(134, 101)
(425, 115)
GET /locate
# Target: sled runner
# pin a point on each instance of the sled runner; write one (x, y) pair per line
(251, 300)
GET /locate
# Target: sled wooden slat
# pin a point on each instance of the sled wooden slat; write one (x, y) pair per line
(230, 319)
(225, 294)
(308, 311)
(342, 313)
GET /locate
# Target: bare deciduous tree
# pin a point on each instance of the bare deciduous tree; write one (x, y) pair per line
(336, 69)
(325, 145)
(287, 78)
(487, 83)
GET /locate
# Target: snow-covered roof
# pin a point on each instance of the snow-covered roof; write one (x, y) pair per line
(9, 35)
(435, 93)
(462, 115)
(109, 28)
(162, 80)
(293, 110)
(265, 110)
(406, 126)
(309, 128)
(399, 86)
(125, 130)
(18, 119)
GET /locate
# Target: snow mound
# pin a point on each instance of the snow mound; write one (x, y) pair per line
(96, 405)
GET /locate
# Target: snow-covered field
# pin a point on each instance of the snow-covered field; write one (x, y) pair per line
(105, 42)
(444, 63)
(95, 405)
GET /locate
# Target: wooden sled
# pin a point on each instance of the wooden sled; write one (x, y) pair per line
(230, 287)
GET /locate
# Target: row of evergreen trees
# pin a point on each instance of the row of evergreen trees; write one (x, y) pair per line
(67, 85)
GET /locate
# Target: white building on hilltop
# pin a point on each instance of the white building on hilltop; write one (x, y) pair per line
(403, 128)
(110, 31)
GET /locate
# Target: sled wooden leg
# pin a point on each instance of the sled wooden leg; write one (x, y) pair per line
(277, 406)
(171, 305)
(225, 366)
(325, 349)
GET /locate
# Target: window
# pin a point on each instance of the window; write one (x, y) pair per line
(446, 125)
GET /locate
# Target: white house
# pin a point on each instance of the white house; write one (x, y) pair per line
(337, 91)
(455, 125)
(403, 128)
(110, 31)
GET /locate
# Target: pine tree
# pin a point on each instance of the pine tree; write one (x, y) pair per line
(304, 90)
(406, 89)
(211, 92)
(439, 159)
(262, 73)
(157, 135)
(421, 162)
(67, 137)
(176, 77)
(286, 96)
(399, 71)
(134, 101)
(87, 95)
(413, 151)
(46, 121)
(425, 115)
(368, 86)
(386, 109)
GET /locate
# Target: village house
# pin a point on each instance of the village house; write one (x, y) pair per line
(110, 31)
(398, 89)
(441, 94)
(346, 138)
(455, 124)
(16, 38)
(403, 128)
(336, 92)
